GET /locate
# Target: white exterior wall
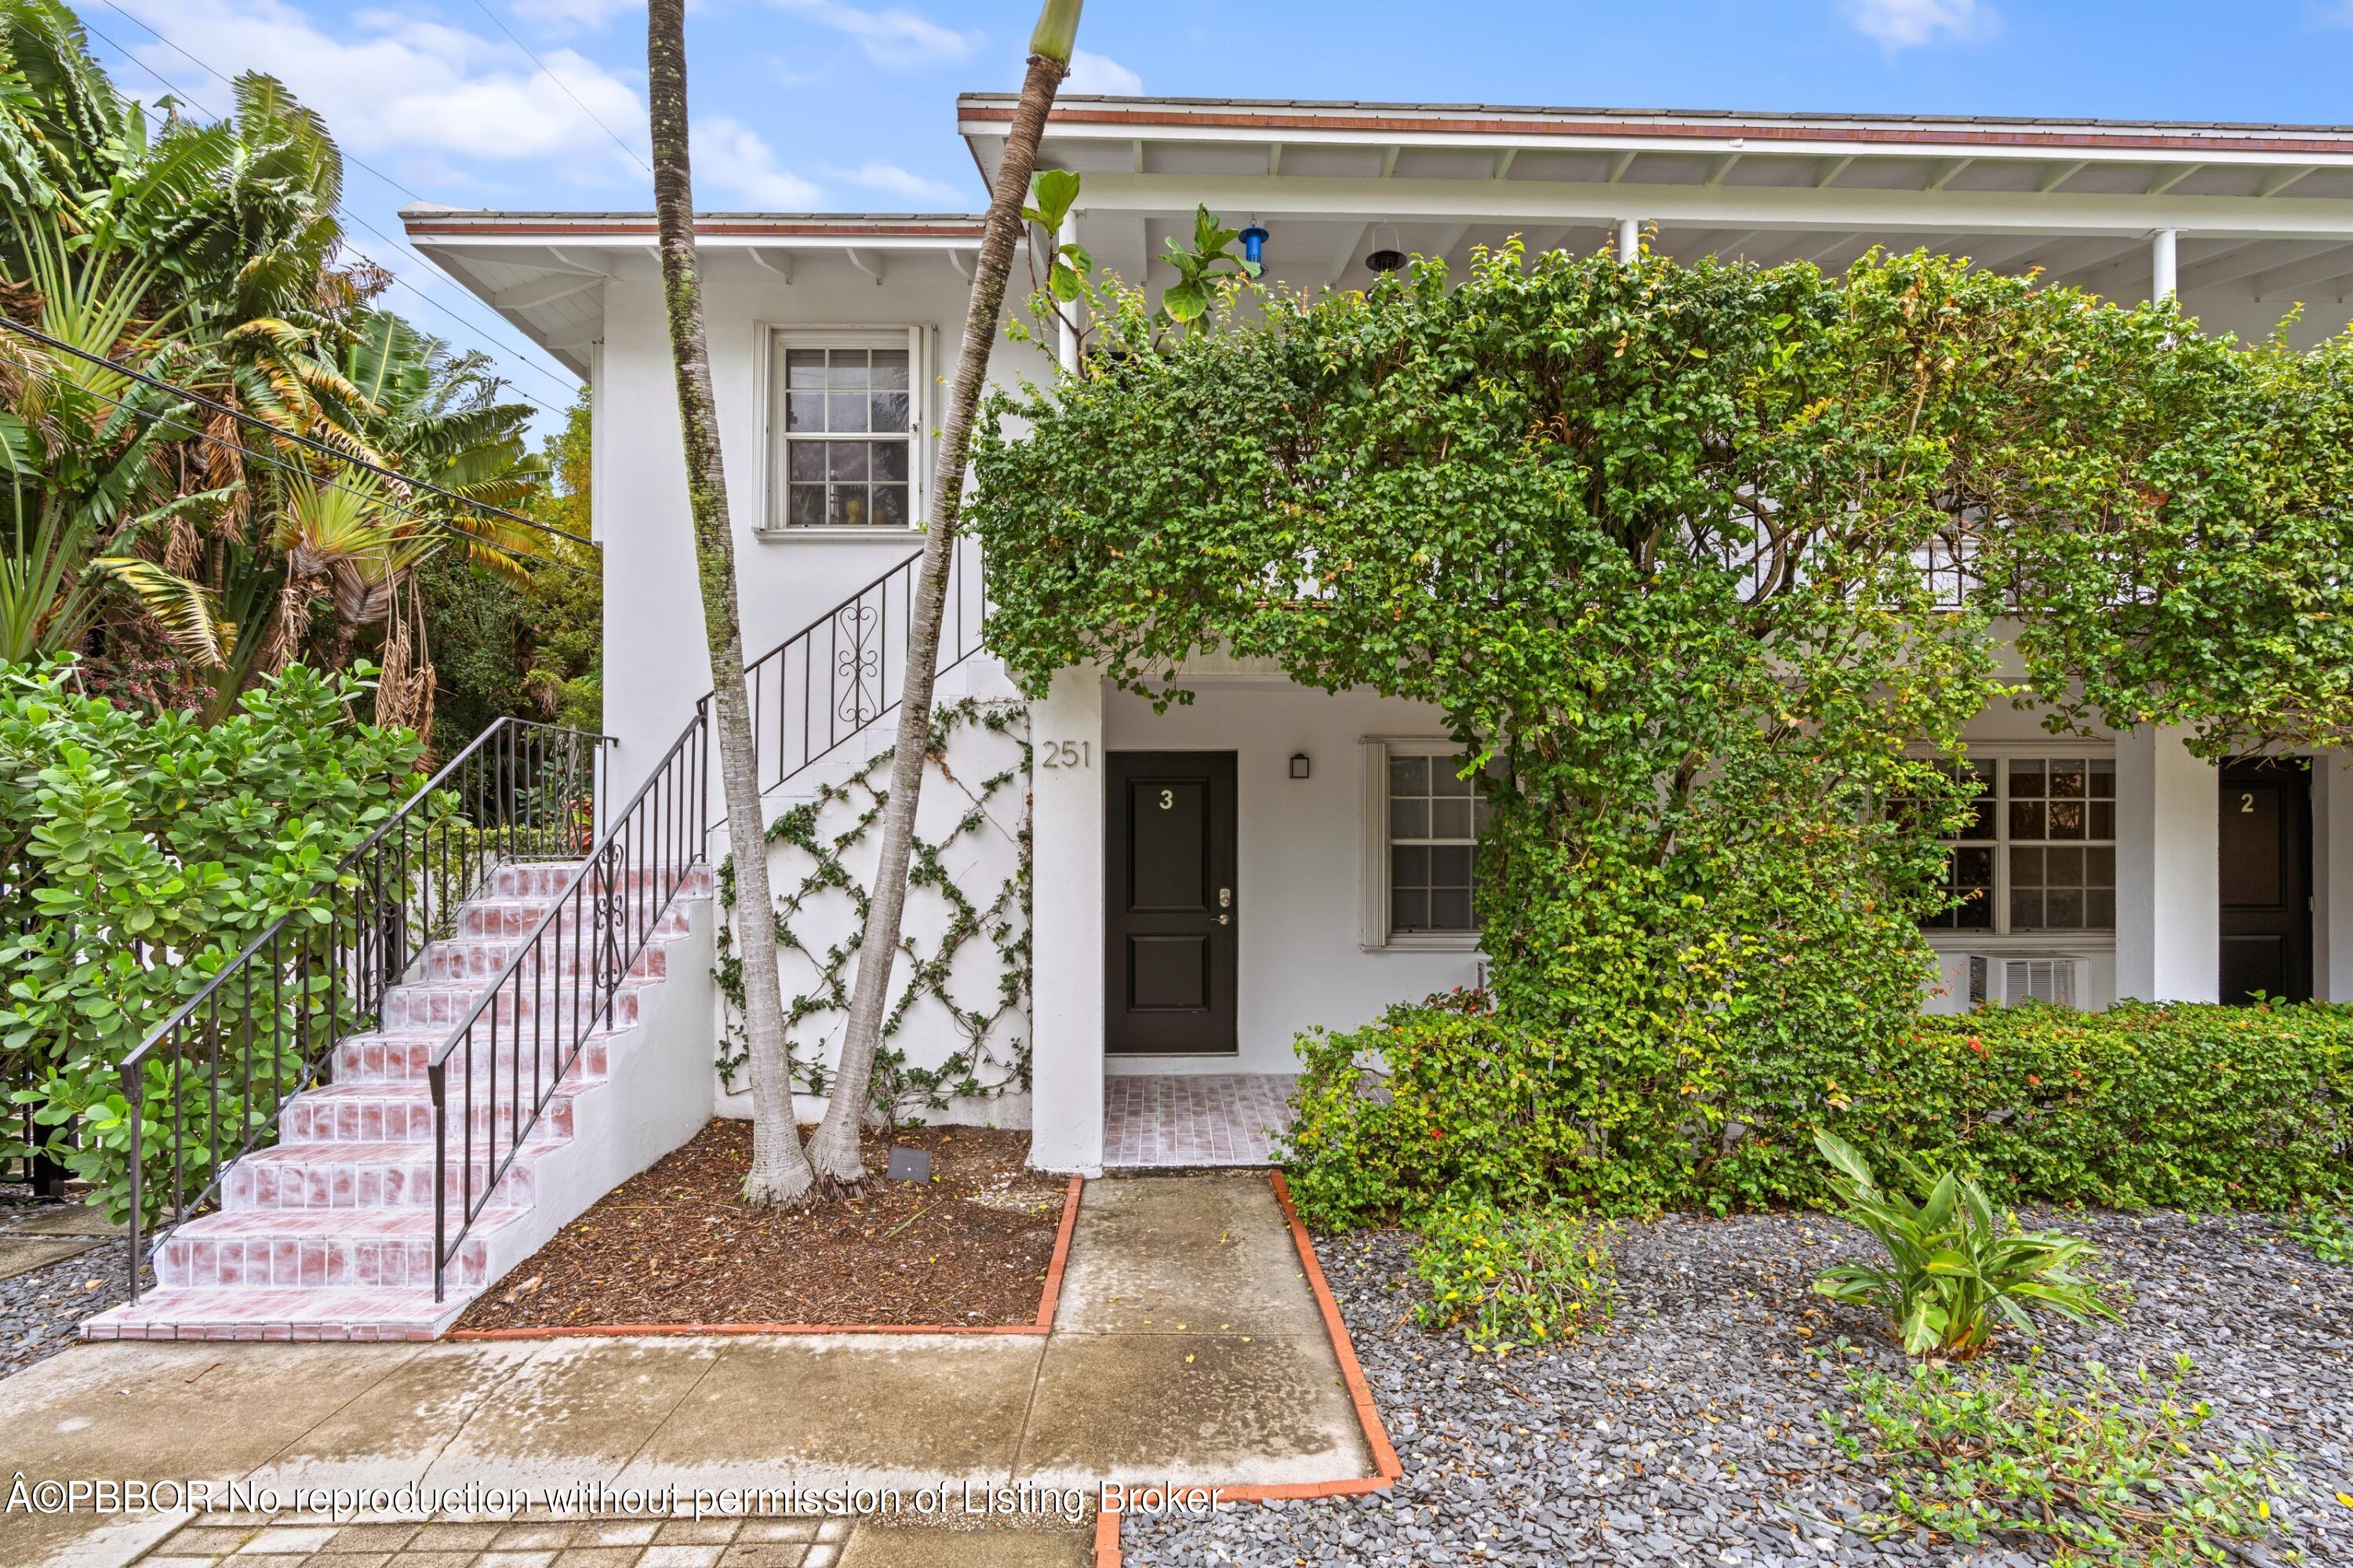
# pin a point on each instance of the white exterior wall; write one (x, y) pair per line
(2332, 876)
(2168, 871)
(655, 664)
(1066, 927)
(1299, 860)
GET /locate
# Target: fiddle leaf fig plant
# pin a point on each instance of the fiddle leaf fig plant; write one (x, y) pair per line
(1056, 190)
(1956, 1269)
(1198, 268)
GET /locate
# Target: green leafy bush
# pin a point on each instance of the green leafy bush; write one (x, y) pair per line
(1952, 1263)
(2007, 1456)
(2328, 1232)
(1523, 1280)
(139, 851)
(2193, 1106)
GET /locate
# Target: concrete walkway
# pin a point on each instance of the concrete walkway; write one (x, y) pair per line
(1187, 1347)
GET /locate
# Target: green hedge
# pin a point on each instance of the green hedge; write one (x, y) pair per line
(2192, 1107)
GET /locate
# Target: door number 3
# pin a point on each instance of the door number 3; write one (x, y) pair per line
(1168, 799)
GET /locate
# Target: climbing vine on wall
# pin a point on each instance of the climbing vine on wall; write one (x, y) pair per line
(980, 1066)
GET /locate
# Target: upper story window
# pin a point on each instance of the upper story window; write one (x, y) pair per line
(1423, 820)
(844, 429)
(2039, 850)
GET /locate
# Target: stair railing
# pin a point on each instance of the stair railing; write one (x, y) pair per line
(530, 1025)
(495, 1075)
(827, 684)
(215, 1076)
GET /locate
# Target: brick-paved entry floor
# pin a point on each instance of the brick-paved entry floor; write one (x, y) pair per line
(1179, 1119)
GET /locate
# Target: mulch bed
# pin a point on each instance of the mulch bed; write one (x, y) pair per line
(676, 1245)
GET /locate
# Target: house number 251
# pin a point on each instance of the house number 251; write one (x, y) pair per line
(1066, 754)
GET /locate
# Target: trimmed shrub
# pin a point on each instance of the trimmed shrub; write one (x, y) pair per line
(2192, 1107)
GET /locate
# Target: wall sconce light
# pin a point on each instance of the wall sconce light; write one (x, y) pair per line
(1299, 765)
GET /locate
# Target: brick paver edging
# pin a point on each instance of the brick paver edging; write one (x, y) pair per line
(1388, 1471)
(1047, 1302)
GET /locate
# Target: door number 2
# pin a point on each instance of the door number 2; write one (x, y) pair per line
(1066, 754)
(2247, 804)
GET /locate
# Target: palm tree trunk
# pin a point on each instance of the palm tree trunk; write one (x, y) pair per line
(833, 1150)
(779, 1173)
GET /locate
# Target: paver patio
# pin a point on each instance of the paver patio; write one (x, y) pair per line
(1186, 1346)
(1188, 1120)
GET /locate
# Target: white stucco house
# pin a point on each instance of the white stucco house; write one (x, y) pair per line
(1207, 882)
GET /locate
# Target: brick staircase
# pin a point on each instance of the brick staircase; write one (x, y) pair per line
(328, 1234)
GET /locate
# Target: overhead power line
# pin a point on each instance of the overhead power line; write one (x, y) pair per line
(559, 81)
(307, 442)
(523, 356)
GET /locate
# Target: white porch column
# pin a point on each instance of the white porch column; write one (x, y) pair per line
(2163, 248)
(1067, 347)
(2332, 875)
(2168, 869)
(1066, 925)
(1630, 241)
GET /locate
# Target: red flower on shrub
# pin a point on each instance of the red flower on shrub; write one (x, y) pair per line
(1977, 1046)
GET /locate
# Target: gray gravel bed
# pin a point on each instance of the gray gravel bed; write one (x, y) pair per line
(41, 1310)
(1690, 1433)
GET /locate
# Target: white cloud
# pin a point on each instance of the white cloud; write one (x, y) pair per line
(1902, 24)
(730, 156)
(898, 182)
(389, 84)
(1101, 74)
(573, 13)
(897, 39)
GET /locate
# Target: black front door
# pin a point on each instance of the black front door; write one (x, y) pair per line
(2266, 847)
(1172, 930)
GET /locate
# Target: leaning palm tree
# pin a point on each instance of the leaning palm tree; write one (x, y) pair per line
(834, 1147)
(780, 1172)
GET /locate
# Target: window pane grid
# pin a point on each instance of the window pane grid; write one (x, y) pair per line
(2038, 852)
(1435, 818)
(2063, 839)
(847, 434)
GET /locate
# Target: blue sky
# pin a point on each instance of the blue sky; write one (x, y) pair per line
(849, 104)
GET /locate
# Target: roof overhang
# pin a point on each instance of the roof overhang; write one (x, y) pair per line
(545, 271)
(2259, 208)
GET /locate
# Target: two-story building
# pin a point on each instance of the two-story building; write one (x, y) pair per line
(1208, 881)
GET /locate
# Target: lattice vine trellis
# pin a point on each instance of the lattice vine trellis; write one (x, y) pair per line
(902, 1090)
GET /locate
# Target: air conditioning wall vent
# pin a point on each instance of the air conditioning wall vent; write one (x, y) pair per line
(2007, 980)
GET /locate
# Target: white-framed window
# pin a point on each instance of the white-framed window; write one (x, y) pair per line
(844, 411)
(1422, 821)
(2038, 852)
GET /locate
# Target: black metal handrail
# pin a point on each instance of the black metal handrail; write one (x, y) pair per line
(864, 670)
(562, 984)
(265, 1027)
